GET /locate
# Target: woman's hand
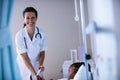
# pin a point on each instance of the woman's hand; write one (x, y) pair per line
(39, 78)
(35, 77)
(41, 67)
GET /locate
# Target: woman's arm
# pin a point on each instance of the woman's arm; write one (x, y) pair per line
(41, 60)
(28, 63)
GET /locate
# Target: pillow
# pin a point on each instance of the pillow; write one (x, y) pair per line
(81, 74)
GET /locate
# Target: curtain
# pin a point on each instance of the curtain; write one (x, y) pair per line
(8, 69)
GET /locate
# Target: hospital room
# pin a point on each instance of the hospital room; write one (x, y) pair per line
(46, 39)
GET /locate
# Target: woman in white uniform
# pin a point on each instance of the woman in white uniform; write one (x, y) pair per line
(30, 46)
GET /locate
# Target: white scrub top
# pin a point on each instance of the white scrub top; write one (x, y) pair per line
(33, 49)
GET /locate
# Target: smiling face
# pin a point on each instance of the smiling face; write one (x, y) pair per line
(30, 19)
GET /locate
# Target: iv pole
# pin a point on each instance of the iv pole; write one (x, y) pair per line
(83, 30)
(84, 34)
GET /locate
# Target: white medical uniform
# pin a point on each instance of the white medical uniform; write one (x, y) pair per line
(34, 47)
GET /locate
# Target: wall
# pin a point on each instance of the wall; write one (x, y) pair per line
(56, 18)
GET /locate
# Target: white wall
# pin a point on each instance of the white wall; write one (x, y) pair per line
(56, 18)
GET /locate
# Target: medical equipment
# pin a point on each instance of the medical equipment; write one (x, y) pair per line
(38, 33)
(36, 74)
(81, 4)
(38, 71)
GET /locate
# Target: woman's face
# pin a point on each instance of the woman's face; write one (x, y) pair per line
(30, 19)
(71, 73)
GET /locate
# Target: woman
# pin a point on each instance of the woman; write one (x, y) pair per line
(79, 66)
(30, 46)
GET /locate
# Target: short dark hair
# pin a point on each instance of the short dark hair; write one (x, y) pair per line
(30, 9)
(77, 65)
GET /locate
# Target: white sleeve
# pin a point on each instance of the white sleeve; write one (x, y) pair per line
(20, 44)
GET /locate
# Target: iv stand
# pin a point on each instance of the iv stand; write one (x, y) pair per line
(84, 34)
(83, 30)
